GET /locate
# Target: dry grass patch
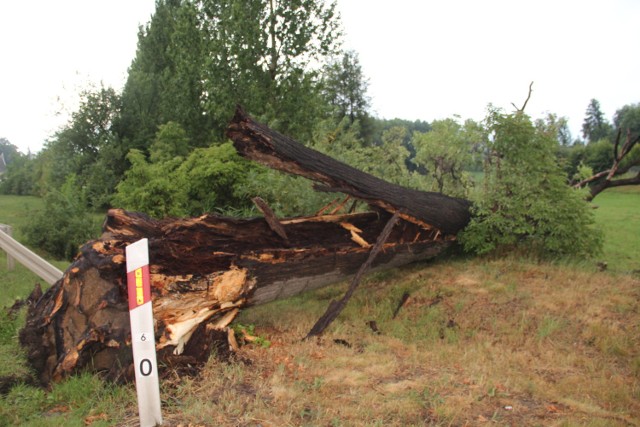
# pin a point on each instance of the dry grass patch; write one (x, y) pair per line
(495, 342)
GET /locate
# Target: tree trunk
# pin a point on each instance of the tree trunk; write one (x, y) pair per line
(203, 270)
(263, 145)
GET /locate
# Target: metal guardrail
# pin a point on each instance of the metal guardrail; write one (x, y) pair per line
(8, 230)
(18, 252)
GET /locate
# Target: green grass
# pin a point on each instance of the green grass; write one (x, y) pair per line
(618, 215)
(79, 401)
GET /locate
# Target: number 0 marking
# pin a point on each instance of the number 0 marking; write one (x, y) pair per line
(146, 362)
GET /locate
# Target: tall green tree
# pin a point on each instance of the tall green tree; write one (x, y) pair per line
(265, 55)
(165, 78)
(595, 126)
(345, 87)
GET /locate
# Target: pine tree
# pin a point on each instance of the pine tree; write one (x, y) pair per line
(595, 126)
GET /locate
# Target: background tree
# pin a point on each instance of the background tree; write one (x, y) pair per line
(165, 78)
(16, 170)
(446, 154)
(81, 145)
(380, 126)
(628, 118)
(595, 126)
(183, 90)
(598, 155)
(345, 87)
(9, 150)
(19, 178)
(64, 224)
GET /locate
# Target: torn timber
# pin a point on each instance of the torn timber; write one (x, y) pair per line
(204, 269)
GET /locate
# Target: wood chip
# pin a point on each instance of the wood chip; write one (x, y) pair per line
(231, 336)
(359, 240)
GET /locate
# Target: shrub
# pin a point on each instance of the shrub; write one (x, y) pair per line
(525, 203)
(64, 224)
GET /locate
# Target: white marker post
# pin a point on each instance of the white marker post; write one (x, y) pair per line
(142, 334)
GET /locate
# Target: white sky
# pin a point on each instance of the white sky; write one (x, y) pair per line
(424, 59)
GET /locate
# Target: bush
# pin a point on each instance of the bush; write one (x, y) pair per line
(209, 179)
(525, 203)
(213, 179)
(64, 224)
(151, 188)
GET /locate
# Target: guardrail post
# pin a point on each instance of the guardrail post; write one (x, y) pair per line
(8, 230)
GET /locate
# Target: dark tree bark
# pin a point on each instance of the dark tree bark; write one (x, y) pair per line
(261, 144)
(203, 270)
(605, 179)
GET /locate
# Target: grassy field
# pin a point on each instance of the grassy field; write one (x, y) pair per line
(618, 214)
(478, 342)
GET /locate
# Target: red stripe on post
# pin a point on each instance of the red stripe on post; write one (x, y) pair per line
(139, 287)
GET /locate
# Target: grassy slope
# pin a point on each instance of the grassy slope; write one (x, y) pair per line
(508, 341)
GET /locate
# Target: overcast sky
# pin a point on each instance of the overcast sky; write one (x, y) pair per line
(424, 59)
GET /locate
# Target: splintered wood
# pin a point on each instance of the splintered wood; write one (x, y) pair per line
(182, 313)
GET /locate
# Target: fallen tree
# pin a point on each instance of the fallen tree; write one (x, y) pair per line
(204, 269)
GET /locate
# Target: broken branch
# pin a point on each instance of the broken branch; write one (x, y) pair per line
(336, 307)
(602, 180)
(270, 217)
